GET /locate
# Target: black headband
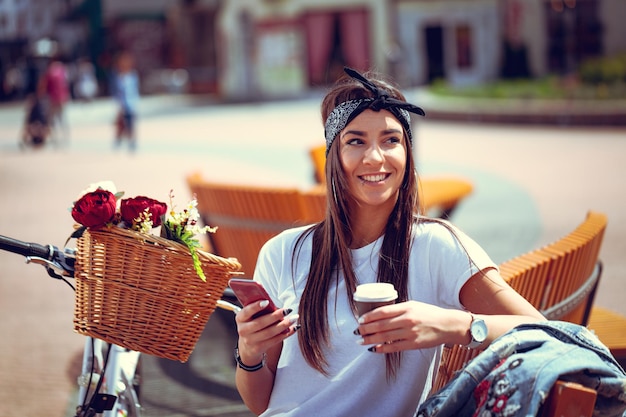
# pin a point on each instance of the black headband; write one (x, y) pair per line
(345, 112)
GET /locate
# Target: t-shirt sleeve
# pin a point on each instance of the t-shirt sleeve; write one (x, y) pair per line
(275, 264)
(269, 265)
(452, 258)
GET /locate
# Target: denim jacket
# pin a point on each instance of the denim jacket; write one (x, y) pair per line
(514, 375)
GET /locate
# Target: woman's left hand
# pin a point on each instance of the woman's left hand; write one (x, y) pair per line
(412, 325)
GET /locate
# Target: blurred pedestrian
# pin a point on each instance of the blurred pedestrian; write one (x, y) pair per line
(54, 86)
(15, 81)
(86, 87)
(126, 93)
(36, 127)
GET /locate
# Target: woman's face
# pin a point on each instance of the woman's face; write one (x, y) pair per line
(373, 158)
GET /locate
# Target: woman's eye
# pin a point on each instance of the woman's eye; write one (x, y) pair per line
(354, 141)
(394, 139)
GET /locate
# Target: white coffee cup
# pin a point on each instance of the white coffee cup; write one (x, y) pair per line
(373, 295)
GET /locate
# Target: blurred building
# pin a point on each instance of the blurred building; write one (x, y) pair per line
(26, 29)
(264, 48)
(249, 49)
(279, 47)
(23, 22)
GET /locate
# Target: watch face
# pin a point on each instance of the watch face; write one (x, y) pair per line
(479, 330)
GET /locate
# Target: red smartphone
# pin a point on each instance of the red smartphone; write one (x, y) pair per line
(248, 291)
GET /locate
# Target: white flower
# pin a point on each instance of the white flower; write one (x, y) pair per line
(144, 222)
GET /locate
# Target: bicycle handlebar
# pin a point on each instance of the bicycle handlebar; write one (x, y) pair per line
(60, 263)
(24, 248)
(57, 262)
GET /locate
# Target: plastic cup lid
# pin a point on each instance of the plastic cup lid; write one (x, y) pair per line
(375, 292)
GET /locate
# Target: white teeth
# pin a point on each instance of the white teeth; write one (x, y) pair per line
(374, 178)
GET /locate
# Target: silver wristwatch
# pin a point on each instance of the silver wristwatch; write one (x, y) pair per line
(478, 332)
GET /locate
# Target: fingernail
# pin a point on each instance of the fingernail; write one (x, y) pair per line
(360, 341)
(264, 303)
(287, 311)
(294, 318)
(296, 327)
(361, 320)
(372, 349)
(356, 332)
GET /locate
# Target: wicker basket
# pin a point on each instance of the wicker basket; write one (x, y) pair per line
(142, 292)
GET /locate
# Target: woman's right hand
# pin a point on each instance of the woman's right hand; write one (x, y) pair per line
(258, 335)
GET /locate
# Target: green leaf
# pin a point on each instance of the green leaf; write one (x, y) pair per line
(197, 265)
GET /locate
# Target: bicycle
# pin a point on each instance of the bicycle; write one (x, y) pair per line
(109, 382)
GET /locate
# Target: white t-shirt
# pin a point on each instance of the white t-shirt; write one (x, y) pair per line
(357, 383)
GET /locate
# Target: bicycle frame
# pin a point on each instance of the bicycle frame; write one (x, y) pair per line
(121, 369)
(112, 392)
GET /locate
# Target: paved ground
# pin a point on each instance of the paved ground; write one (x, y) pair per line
(533, 185)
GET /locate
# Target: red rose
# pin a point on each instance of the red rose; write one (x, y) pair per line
(133, 208)
(95, 209)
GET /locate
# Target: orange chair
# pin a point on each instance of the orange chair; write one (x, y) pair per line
(246, 216)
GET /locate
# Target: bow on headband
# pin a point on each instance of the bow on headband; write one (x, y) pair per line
(345, 112)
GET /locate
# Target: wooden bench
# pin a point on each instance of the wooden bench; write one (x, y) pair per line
(569, 399)
(560, 279)
(440, 195)
(610, 327)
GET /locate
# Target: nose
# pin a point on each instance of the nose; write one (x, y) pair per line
(373, 154)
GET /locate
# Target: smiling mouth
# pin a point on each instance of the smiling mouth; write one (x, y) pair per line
(374, 178)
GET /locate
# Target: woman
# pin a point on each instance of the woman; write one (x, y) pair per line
(326, 361)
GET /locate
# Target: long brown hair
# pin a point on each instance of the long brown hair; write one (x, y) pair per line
(332, 237)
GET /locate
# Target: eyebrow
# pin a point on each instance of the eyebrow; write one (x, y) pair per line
(353, 132)
(362, 133)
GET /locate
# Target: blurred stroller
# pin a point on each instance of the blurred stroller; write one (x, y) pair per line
(36, 129)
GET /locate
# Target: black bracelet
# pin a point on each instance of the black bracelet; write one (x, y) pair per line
(246, 367)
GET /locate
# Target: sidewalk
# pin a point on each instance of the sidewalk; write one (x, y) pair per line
(533, 185)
